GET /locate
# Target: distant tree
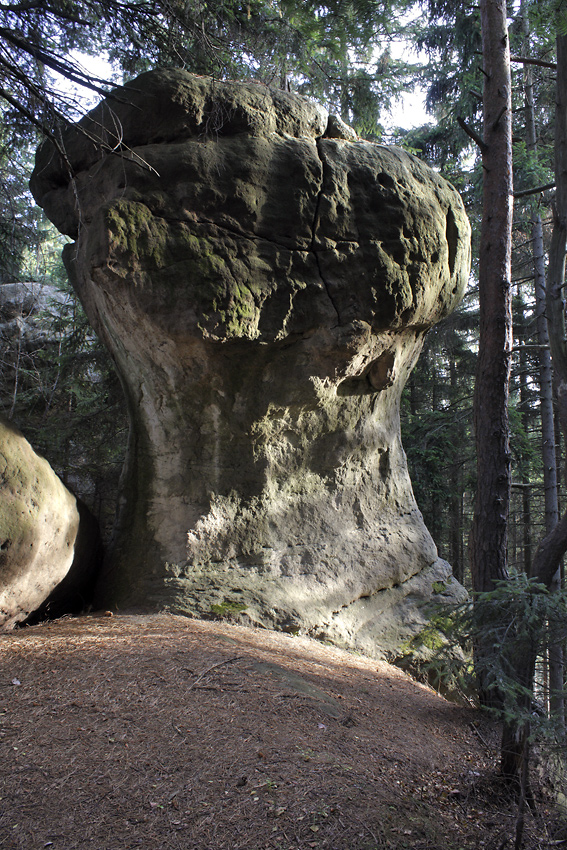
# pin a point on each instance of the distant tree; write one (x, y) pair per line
(337, 51)
(437, 433)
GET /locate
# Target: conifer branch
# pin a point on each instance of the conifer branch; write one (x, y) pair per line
(526, 60)
(525, 192)
(472, 133)
(500, 114)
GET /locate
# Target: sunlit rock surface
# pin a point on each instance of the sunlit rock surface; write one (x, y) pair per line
(264, 282)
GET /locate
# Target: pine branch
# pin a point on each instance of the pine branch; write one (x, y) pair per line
(472, 133)
(51, 61)
(500, 114)
(526, 60)
(525, 192)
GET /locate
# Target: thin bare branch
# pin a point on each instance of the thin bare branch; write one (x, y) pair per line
(525, 192)
(526, 60)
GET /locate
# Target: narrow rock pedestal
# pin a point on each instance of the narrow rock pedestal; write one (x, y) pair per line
(264, 281)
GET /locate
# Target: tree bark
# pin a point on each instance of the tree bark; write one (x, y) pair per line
(525, 492)
(553, 547)
(456, 499)
(489, 531)
(549, 459)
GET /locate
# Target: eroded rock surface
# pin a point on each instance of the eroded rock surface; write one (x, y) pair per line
(264, 281)
(49, 544)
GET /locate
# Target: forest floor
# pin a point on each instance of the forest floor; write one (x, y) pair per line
(162, 732)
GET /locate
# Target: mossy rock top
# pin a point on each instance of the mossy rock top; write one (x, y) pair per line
(241, 212)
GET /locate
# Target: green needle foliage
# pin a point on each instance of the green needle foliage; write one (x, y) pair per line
(517, 624)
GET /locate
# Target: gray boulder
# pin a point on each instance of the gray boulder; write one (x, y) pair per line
(264, 281)
(49, 544)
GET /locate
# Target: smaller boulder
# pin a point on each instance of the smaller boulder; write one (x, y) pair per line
(50, 546)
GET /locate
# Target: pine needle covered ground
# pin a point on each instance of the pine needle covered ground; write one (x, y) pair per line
(164, 732)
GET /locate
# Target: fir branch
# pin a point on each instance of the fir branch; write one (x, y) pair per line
(472, 133)
(525, 192)
(526, 60)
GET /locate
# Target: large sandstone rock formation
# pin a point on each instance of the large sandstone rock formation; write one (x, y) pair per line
(49, 543)
(264, 282)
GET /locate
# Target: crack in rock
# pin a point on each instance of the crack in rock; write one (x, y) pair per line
(316, 220)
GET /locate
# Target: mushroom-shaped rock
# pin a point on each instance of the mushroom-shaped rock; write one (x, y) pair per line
(263, 281)
(49, 543)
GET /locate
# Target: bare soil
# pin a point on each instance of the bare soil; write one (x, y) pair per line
(164, 732)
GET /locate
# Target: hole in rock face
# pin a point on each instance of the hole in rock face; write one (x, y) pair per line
(386, 181)
(384, 464)
(381, 372)
(4, 545)
(376, 377)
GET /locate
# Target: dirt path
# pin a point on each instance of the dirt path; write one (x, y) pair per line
(163, 732)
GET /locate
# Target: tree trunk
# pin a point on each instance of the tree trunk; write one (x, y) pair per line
(552, 548)
(490, 520)
(548, 449)
(522, 335)
(514, 750)
(456, 498)
(549, 459)
(489, 532)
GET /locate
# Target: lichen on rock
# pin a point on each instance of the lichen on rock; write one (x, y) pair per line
(263, 280)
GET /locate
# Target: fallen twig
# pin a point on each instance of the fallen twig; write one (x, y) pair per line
(213, 667)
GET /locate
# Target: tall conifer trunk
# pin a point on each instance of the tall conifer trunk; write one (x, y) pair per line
(489, 531)
(552, 548)
(545, 377)
(490, 521)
